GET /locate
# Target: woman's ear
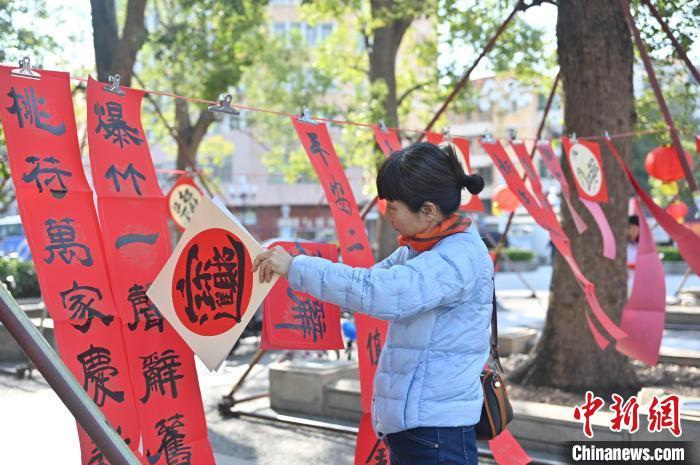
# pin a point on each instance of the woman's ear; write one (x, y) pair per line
(430, 210)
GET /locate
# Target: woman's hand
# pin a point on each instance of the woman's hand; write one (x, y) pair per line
(272, 261)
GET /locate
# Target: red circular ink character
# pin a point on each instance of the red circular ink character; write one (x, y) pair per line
(212, 283)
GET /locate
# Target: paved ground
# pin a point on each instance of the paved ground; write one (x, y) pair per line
(30, 413)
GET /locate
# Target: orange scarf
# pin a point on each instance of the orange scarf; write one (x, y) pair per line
(454, 223)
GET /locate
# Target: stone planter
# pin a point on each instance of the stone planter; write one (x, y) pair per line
(678, 267)
(519, 266)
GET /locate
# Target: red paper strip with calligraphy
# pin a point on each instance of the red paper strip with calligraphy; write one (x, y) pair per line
(135, 234)
(295, 320)
(57, 210)
(354, 245)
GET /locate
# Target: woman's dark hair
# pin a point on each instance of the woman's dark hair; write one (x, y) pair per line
(424, 172)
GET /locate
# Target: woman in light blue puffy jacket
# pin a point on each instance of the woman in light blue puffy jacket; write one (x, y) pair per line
(436, 291)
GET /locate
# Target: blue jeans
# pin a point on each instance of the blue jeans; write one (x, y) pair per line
(433, 446)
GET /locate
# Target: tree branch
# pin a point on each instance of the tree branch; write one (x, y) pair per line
(526, 4)
(133, 37)
(407, 92)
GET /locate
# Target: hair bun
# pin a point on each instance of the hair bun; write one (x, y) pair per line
(474, 183)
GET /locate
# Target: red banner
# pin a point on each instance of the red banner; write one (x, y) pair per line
(56, 206)
(182, 201)
(686, 240)
(354, 245)
(296, 320)
(531, 174)
(387, 139)
(137, 243)
(559, 239)
(550, 159)
(370, 450)
(586, 165)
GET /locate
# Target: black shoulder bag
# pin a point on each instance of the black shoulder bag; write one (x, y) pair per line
(496, 412)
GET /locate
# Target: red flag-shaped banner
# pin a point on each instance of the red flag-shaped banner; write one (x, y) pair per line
(295, 320)
(137, 243)
(56, 206)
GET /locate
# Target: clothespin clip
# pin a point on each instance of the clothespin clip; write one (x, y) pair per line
(446, 134)
(512, 134)
(305, 116)
(25, 70)
(488, 138)
(382, 126)
(113, 86)
(572, 138)
(606, 134)
(224, 106)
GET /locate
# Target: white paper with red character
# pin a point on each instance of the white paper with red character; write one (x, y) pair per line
(207, 290)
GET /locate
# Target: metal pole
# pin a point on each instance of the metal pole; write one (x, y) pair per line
(679, 48)
(458, 87)
(62, 382)
(624, 4)
(465, 78)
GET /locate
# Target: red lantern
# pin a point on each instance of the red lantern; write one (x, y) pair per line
(663, 163)
(507, 201)
(677, 210)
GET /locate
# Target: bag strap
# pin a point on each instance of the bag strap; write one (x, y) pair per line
(495, 360)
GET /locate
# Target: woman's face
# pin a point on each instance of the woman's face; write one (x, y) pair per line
(408, 223)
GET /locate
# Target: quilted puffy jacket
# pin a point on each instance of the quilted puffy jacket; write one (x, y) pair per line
(439, 305)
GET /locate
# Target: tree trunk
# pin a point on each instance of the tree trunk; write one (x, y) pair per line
(115, 55)
(188, 136)
(595, 58)
(382, 68)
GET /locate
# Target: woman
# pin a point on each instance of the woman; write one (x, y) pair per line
(436, 291)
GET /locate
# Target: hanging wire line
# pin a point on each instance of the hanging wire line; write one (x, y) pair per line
(369, 125)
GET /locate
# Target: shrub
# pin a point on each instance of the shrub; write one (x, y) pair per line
(669, 254)
(518, 255)
(23, 282)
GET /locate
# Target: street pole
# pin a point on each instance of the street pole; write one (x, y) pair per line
(62, 382)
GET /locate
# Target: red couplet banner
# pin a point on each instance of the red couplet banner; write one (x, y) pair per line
(295, 320)
(355, 250)
(561, 242)
(354, 245)
(387, 139)
(136, 239)
(58, 215)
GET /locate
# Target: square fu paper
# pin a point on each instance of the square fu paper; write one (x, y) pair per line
(207, 290)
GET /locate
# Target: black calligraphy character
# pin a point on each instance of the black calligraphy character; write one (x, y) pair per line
(160, 373)
(29, 109)
(302, 251)
(115, 127)
(316, 147)
(143, 307)
(390, 150)
(79, 300)
(50, 174)
(356, 246)
(216, 282)
(185, 204)
(309, 314)
(341, 201)
(127, 239)
(172, 445)
(62, 239)
(97, 372)
(377, 455)
(129, 173)
(374, 346)
(524, 198)
(97, 457)
(505, 166)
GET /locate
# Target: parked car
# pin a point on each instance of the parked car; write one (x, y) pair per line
(13, 242)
